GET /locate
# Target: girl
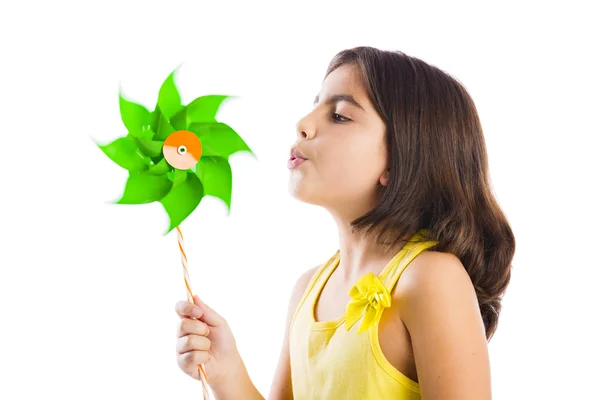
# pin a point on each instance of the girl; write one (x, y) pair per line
(394, 150)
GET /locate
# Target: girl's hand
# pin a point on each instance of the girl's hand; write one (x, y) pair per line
(204, 337)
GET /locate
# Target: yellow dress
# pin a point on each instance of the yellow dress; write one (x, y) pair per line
(342, 358)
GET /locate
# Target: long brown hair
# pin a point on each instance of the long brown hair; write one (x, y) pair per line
(439, 179)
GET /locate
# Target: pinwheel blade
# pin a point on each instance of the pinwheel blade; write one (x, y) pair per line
(134, 116)
(164, 128)
(160, 168)
(169, 100)
(179, 120)
(144, 188)
(219, 139)
(215, 174)
(151, 148)
(177, 176)
(182, 200)
(204, 108)
(124, 152)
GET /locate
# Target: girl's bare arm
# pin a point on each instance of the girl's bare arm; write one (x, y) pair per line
(281, 388)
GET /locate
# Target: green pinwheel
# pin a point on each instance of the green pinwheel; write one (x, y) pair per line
(176, 154)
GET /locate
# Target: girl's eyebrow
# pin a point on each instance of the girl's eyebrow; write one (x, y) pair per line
(340, 97)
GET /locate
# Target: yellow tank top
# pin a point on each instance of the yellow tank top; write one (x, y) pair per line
(342, 358)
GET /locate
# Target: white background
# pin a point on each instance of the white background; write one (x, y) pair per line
(88, 289)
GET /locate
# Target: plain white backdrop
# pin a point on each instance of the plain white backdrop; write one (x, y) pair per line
(88, 289)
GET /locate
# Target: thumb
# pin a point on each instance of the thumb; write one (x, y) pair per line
(209, 316)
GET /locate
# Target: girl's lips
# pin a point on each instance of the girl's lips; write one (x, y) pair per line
(296, 158)
(295, 162)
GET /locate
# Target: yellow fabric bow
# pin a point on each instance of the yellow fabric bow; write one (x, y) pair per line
(369, 297)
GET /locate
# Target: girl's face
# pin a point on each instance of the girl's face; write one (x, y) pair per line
(343, 142)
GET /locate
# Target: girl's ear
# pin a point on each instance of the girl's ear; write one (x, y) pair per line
(385, 177)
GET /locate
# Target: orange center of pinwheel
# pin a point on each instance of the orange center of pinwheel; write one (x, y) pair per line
(182, 149)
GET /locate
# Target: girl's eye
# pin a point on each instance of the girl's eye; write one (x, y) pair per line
(336, 117)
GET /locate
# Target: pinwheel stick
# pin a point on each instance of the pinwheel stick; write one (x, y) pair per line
(190, 295)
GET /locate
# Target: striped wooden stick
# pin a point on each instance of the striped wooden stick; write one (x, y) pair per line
(190, 296)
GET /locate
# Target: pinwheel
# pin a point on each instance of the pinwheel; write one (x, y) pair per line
(175, 155)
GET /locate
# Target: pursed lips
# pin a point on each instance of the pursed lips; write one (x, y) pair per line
(295, 153)
(296, 158)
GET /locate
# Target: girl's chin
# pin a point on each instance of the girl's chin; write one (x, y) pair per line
(299, 191)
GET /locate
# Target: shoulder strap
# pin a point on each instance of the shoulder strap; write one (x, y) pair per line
(317, 279)
(411, 250)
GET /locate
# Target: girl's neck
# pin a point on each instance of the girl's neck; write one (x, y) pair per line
(360, 254)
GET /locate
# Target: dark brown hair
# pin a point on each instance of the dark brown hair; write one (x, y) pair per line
(439, 177)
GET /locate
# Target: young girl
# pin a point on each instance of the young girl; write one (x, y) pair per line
(394, 150)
